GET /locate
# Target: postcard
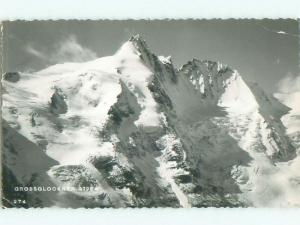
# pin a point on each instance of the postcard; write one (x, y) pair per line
(150, 113)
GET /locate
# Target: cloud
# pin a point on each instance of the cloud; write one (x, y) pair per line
(31, 50)
(70, 50)
(289, 94)
(67, 50)
(289, 84)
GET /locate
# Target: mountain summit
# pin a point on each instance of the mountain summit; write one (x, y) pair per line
(142, 133)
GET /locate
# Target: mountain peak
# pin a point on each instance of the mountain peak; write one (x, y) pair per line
(139, 43)
(137, 39)
(135, 45)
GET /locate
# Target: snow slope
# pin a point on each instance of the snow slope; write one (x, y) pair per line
(145, 133)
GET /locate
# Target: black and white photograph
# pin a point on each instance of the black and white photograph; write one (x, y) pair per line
(148, 113)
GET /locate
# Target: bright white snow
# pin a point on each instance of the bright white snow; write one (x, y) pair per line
(90, 90)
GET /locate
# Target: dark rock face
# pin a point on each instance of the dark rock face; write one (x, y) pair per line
(58, 104)
(24, 164)
(140, 179)
(76, 174)
(9, 182)
(212, 74)
(11, 77)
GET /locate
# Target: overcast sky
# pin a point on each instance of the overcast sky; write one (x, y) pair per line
(253, 47)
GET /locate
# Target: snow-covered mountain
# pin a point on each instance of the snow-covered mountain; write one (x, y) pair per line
(146, 134)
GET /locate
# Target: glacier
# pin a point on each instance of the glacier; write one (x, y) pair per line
(146, 134)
